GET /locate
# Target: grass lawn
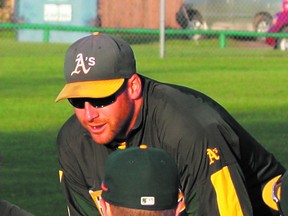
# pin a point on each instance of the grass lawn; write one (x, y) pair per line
(251, 84)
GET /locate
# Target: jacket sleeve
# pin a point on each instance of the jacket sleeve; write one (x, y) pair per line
(79, 201)
(228, 174)
(211, 177)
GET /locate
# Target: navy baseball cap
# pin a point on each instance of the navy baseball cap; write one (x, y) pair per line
(141, 178)
(96, 67)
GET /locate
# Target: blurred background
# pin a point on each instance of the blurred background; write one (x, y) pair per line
(206, 23)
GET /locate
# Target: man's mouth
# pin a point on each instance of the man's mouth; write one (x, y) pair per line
(97, 129)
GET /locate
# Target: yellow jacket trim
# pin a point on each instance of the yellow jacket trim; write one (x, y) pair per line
(227, 199)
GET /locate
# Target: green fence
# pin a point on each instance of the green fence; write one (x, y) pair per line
(206, 40)
(222, 35)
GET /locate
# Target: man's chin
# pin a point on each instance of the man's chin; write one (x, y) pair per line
(101, 140)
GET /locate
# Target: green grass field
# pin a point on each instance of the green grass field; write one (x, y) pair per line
(250, 83)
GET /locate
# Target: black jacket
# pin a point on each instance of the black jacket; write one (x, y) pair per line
(222, 167)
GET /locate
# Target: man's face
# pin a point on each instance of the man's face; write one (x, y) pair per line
(109, 122)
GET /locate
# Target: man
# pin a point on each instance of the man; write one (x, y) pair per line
(222, 167)
(275, 194)
(140, 181)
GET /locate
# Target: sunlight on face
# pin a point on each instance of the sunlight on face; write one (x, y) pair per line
(104, 124)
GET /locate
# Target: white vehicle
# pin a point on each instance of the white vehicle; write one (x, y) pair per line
(241, 15)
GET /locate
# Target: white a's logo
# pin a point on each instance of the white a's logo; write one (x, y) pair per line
(81, 64)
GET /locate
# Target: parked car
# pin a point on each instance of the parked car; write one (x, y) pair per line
(241, 15)
(280, 24)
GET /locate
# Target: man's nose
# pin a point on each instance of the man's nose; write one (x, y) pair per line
(90, 112)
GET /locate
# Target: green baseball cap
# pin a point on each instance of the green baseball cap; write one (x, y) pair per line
(141, 178)
(270, 190)
(96, 66)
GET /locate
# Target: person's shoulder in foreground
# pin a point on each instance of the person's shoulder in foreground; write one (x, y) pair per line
(275, 194)
(9, 209)
(141, 181)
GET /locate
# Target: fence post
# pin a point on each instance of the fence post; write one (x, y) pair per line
(222, 40)
(46, 35)
(162, 28)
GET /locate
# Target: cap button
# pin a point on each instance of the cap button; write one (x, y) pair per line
(122, 146)
(143, 146)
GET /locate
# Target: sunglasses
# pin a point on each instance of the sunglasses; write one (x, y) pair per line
(97, 102)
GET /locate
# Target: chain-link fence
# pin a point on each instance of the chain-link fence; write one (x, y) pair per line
(191, 27)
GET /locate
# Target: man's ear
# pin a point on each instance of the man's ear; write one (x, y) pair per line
(179, 208)
(135, 87)
(105, 208)
(181, 203)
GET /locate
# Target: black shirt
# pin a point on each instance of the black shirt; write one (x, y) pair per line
(222, 167)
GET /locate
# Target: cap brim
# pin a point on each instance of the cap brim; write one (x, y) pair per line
(268, 191)
(90, 89)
